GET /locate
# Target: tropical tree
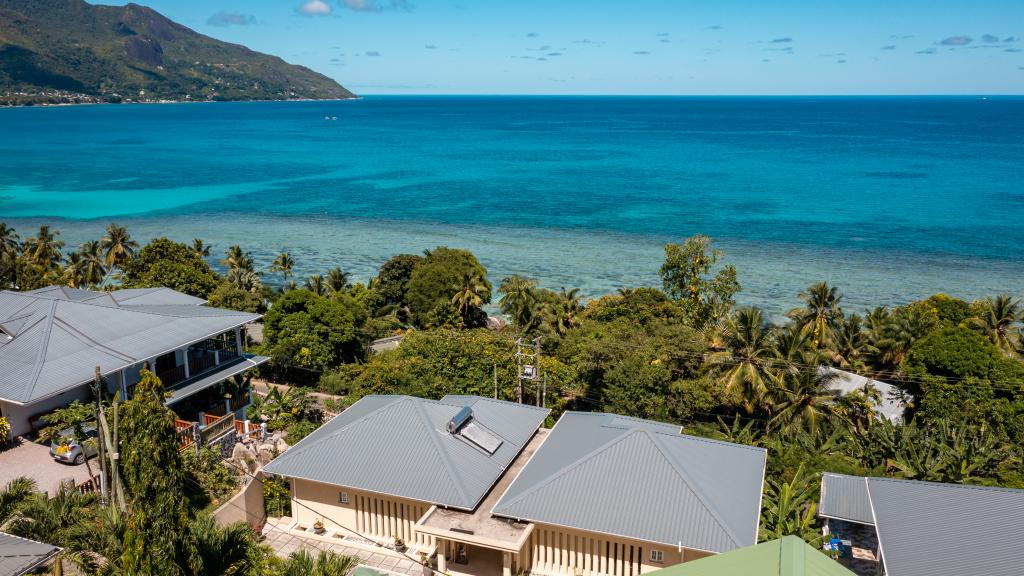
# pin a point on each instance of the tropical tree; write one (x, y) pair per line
(859, 407)
(71, 419)
(566, 309)
(94, 267)
(74, 270)
(850, 343)
(325, 563)
(802, 400)
(793, 349)
(227, 550)
(200, 248)
(155, 541)
(43, 249)
(746, 365)
(789, 508)
(892, 335)
(997, 318)
(58, 520)
(686, 277)
(10, 246)
(13, 497)
(118, 246)
(469, 295)
(316, 285)
(238, 259)
(284, 264)
(820, 314)
(337, 280)
(518, 299)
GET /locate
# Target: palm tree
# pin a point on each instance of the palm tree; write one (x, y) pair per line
(821, 313)
(518, 299)
(94, 269)
(43, 249)
(803, 400)
(74, 270)
(892, 337)
(568, 307)
(118, 246)
(13, 497)
(237, 259)
(849, 344)
(337, 279)
(997, 319)
(224, 550)
(793, 348)
(283, 264)
(326, 563)
(469, 293)
(200, 248)
(315, 284)
(10, 245)
(53, 520)
(746, 363)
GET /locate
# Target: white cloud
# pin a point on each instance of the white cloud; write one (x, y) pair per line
(314, 8)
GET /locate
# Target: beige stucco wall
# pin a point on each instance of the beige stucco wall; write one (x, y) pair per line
(562, 551)
(246, 506)
(18, 415)
(374, 516)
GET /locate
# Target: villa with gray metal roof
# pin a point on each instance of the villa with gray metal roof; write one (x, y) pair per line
(52, 340)
(476, 480)
(930, 528)
(20, 556)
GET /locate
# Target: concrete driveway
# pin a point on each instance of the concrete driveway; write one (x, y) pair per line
(26, 458)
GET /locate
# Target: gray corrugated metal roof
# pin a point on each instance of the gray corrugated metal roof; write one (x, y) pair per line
(398, 445)
(845, 498)
(18, 555)
(58, 336)
(893, 404)
(641, 479)
(931, 529)
(205, 382)
(124, 296)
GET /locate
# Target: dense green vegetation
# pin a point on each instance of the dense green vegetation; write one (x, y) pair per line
(683, 353)
(153, 528)
(55, 51)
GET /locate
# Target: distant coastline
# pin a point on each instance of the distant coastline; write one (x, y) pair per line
(99, 102)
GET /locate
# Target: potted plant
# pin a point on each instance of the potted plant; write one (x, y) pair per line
(399, 544)
(318, 526)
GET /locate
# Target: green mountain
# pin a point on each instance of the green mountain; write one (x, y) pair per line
(70, 51)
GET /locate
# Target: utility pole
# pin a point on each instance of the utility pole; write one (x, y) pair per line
(527, 368)
(97, 391)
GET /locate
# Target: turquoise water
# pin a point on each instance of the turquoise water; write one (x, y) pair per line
(891, 198)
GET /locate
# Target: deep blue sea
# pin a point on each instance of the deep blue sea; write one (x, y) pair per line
(890, 198)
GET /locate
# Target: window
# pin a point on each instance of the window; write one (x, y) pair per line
(342, 497)
(657, 556)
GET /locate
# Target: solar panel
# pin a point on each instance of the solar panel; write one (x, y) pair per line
(480, 437)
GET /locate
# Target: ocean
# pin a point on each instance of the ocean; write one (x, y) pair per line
(891, 199)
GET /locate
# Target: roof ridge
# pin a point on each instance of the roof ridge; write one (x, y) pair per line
(944, 484)
(567, 468)
(136, 308)
(442, 453)
(697, 491)
(292, 450)
(41, 357)
(79, 335)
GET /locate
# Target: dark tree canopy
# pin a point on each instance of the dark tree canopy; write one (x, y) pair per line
(164, 262)
(436, 280)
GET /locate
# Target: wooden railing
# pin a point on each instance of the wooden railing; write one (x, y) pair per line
(172, 376)
(254, 431)
(217, 428)
(186, 433)
(211, 418)
(90, 485)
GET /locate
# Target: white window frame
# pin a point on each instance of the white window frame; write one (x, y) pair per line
(343, 498)
(657, 556)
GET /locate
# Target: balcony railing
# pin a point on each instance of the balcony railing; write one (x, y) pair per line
(217, 428)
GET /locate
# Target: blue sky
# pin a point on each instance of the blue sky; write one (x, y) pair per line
(632, 47)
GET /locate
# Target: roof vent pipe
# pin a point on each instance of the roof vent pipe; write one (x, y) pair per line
(460, 418)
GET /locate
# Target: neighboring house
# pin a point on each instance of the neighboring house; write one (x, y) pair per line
(928, 528)
(479, 483)
(788, 556)
(385, 344)
(20, 556)
(53, 339)
(893, 402)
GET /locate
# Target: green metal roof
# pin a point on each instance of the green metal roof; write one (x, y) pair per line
(789, 556)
